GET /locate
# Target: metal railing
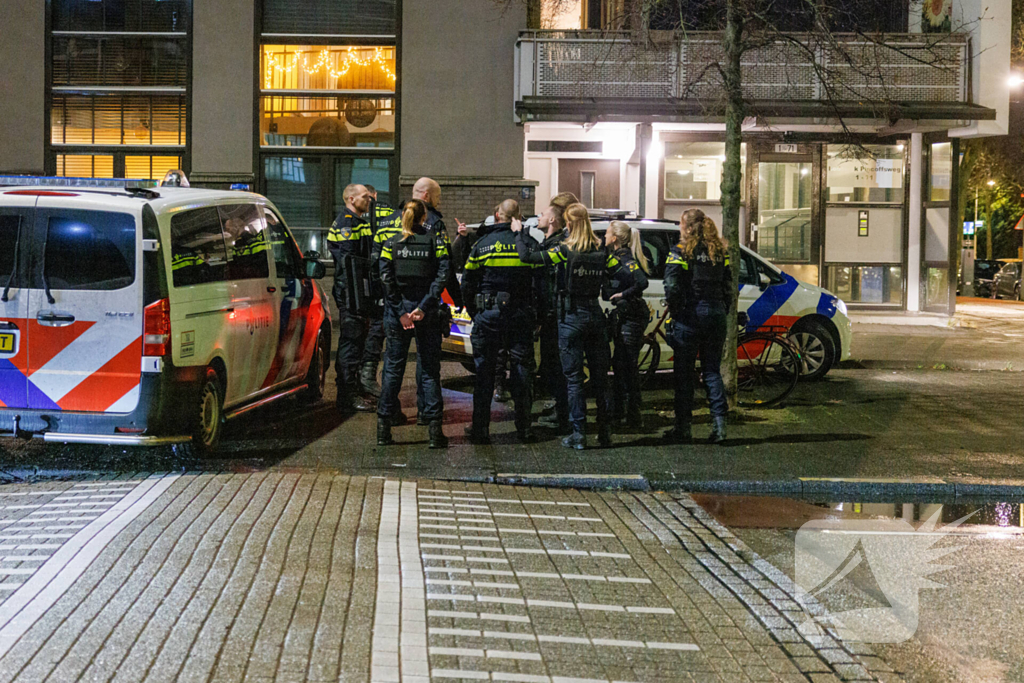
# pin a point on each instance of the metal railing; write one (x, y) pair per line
(896, 68)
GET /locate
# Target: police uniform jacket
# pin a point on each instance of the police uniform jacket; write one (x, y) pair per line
(586, 273)
(692, 279)
(349, 236)
(494, 267)
(414, 268)
(552, 280)
(630, 280)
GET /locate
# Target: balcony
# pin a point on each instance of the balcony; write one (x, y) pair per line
(595, 75)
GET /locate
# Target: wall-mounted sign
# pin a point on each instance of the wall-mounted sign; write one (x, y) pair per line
(862, 224)
(786, 149)
(968, 227)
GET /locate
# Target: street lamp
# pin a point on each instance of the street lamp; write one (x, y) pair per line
(988, 219)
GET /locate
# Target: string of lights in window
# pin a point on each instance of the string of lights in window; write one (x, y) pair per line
(351, 58)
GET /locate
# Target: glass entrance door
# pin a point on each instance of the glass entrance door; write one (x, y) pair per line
(784, 214)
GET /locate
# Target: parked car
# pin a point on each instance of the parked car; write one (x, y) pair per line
(984, 274)
(150, 316)
(1006, 284)
(817, 320)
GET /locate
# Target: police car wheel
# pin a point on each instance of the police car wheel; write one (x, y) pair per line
(816, 347)
(208, 419)
(316, 378)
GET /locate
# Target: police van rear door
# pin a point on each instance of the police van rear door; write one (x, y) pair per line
(85, 310)
(16, 214)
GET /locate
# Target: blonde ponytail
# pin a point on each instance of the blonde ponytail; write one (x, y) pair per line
(412, 215)
(630, 237)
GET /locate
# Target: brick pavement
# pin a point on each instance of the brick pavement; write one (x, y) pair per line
(304, 576)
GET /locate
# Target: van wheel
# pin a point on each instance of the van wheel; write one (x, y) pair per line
(208, 416)
(816, 347)
(316, 377)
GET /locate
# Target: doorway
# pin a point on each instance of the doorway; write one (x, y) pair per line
(594, 181)
(785, 207)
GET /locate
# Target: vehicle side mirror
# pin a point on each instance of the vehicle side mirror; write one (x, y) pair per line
(314, 268)
(763, 281)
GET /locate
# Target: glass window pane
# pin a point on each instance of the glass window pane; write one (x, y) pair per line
(869, 174)
(364, 172)
(693, 170)
(286, 255)
(149, 167)
(328, 67)
(246, 241)
(132, 61)
(867, 284)
(11, 226)
(119, 15)
(90, 250)
(941, 171)
(784, 211)
(329, 16)
(197, 248)
(117, 119)
(85, 165)
(327, 121)
(294, 185)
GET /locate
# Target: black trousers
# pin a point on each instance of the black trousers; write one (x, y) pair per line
(351, 343)
(629, 338)
(551, 367)
(427, 333)
(583, 334)
(699, 331)
(494, 329)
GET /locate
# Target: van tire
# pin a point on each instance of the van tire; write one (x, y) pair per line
(208, 415)
(817, 349)
(316, 377)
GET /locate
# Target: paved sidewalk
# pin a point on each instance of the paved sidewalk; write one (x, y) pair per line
(277, 576)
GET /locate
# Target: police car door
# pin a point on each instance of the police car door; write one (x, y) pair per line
(252, 339)
(85, 317)
(16, 214)
(292, 338)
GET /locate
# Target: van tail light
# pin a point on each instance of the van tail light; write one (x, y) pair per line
(156, 338)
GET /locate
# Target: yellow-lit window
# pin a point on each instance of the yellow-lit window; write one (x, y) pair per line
(85, 165)
(327, 96)
(149, 167)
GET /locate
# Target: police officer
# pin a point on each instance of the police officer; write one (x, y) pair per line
(383, 219)
(629, 318)
(552, 222)
(582, 326)
(497, 288)
(698, 287)
(349, 243)
(413, 269)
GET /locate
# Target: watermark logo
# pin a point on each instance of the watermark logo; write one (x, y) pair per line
(891, 561)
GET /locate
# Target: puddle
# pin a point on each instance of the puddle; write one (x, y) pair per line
(759, 512)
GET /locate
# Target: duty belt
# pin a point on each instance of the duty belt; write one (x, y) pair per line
(497, 301)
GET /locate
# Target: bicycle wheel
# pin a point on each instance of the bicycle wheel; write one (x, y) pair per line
(767, 368)
(649, 359)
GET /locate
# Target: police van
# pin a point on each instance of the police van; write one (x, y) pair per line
(148, 316)
(816, 319)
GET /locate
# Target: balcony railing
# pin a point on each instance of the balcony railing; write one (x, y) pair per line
(919, 70)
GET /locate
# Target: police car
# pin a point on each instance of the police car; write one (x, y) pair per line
(136, 316)
(816, 319)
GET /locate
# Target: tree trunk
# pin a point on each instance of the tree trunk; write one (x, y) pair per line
(732, 179)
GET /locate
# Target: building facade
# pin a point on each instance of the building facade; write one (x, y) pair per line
(849, 177)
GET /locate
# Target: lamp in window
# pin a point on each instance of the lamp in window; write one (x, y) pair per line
(141, 131)
(360, 113)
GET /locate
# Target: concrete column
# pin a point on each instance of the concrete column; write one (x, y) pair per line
(22, 86)
(916, 215)
(223, 72)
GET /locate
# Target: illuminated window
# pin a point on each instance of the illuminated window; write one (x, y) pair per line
(693, 170)
(327, 96)
(869, 174)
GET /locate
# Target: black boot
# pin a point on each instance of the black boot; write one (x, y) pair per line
(634, 418)
(717, 430)
(604, 436)
(348, 402)
(437, 437)
(575, 440)
(477, 437)
(368, 379)
(680, 434)
(384, 432)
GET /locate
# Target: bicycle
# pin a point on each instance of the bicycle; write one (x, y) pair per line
(768, 363)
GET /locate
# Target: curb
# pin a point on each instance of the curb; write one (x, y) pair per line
(628, 482)
(31, 474)
(952, 365)
(924, 490)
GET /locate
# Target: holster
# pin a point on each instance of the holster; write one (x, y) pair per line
(444, 314)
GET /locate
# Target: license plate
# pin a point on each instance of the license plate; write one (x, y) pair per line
(8, 344)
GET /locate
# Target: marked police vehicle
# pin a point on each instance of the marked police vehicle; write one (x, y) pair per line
(149, 316)
(816, 319)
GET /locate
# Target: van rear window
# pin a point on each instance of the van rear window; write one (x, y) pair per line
(8, 239)
(198, 254)
(89, 250)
